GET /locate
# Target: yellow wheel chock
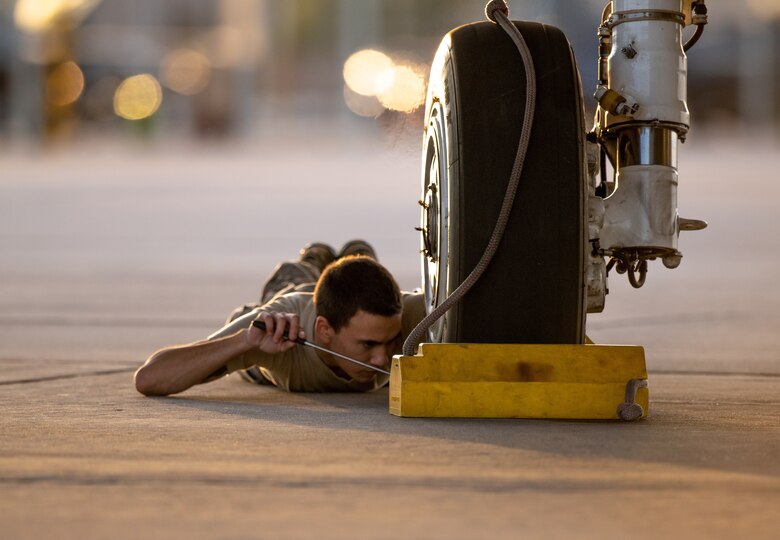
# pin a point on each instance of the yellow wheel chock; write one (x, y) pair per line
(458, 380)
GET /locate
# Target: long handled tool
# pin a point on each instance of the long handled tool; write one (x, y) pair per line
(301, 341)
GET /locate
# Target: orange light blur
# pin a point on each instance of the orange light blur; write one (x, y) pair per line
(64, 84)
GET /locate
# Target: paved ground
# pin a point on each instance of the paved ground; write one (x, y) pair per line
(108, 254)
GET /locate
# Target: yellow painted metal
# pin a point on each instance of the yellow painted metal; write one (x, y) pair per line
(458, 380)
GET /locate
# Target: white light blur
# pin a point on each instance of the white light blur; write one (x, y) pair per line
(406, 93)
(42, 15)
(398, 85)
(369, 72)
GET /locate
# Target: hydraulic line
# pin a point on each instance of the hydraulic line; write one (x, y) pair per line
(699, 18)
(694, 38)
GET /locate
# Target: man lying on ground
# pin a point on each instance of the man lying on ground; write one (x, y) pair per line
(347, 303)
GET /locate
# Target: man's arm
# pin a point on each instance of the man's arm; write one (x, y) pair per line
(177, 368)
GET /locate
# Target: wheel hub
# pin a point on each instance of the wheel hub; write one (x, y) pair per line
(434, 216)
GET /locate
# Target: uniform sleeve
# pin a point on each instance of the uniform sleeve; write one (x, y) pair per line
(251, 358)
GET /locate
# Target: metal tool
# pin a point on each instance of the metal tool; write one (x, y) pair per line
(301, 341)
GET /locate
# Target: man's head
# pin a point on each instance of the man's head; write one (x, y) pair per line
(358, 313)
(352, 284)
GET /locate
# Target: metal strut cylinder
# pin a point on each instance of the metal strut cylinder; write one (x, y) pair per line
(642, 115)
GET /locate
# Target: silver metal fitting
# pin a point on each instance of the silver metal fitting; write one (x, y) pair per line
(672, 261)
(645, 15)
(686, 224)
(699, 14)
(629, 51)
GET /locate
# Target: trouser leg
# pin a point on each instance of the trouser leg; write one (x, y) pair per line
(288, 276)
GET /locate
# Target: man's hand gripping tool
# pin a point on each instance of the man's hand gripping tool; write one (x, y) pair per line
(301, 341)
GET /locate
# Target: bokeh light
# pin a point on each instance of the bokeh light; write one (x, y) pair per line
(186, 71)
(374, 79)
(369, 72)
(64, 84)
(138, 97)
(35, 15)
(406, 93)
(41, 15)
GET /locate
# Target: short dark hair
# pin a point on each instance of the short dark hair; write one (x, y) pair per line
(353, 283)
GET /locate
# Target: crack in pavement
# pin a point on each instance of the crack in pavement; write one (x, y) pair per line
(493, 485)
(68, 376)
(134, 322)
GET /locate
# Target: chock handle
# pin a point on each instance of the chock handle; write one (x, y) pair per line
(630, 410)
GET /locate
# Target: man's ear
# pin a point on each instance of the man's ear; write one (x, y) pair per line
(323, 331)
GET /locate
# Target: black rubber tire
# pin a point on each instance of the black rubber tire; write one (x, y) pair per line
(534, 289)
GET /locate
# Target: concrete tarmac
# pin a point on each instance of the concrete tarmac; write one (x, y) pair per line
(110, 253)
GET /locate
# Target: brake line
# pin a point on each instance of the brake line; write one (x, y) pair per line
(498, 12)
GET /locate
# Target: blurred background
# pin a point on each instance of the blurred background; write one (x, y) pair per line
(71, 70)
(158, 157)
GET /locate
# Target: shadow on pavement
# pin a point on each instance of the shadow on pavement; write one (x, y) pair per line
(714, 435)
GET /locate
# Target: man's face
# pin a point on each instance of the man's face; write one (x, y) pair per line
(369, 338)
